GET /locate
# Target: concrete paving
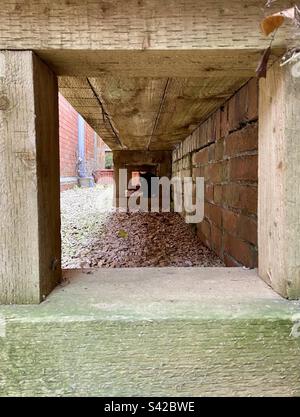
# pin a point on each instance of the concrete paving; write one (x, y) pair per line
(154, 331)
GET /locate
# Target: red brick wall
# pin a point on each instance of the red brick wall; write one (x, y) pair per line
(224, 151)
(104, 176)
(68, 132)
(68, 138)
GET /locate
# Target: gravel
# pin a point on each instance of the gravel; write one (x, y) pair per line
(95, 236)
(83, 213)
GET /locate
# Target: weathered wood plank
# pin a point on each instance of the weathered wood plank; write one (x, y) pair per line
(133, 104)
(136, 24)
(188, 102)
(29, 171)
(48, 181)
(208, 63)
(279, 181)
(149, 112)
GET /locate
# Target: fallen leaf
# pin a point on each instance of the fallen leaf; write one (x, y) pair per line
(122, 233)
(271, 23)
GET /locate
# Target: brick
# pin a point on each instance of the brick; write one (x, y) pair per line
(219, 150)
(242, 141)
(252, 102)
(240, 108)
(224, 121)
(239, 196)
(229, 261)
(235, 111)
(242, 251)
(186, 172)
(213, 213)
(217, 172)
(209, 192)
(65, 187)
(211, 152)
(198, 172)
(230, 221)
(204, 232)
(243, 168)
(200, 157)
(216, 239)
(247, 229)
(218, 194)
(240, 225)
(216, 129)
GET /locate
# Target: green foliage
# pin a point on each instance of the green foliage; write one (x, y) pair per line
(108, 160)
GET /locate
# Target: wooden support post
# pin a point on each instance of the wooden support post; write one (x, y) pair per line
(116, 202)
(279, 181)
(30, 246)
(120, 187)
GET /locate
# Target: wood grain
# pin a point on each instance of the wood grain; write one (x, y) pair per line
(137, 24)
(29, 171)
(155, 63)
(135, 106)
(279, 181)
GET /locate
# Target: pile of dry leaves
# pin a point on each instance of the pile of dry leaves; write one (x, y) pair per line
(147, 240)
(95, 236)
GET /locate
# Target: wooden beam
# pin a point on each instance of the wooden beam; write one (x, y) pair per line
(106, 117)
(29, 171)
(160, 109)
(279, 181)
(158, 63)
(144, 113)
(132, 104)
(137, 24)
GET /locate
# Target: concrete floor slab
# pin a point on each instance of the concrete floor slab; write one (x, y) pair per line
(154, 331)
